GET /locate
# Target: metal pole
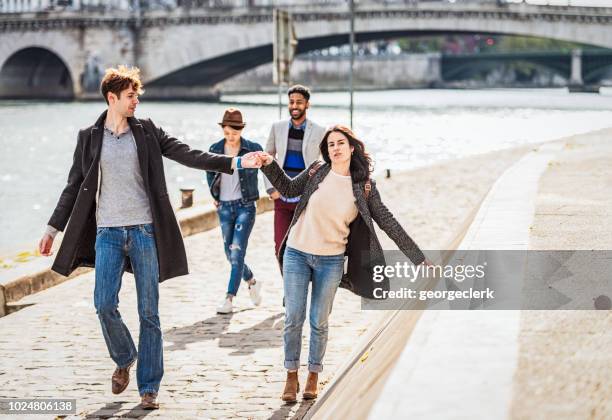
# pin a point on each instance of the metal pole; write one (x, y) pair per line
(352, 43)
(186, 197)
(280, 100)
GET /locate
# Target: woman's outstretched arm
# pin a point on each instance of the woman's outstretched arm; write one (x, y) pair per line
(288, 187)
(387, 222)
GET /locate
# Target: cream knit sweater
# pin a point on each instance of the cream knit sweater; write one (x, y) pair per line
(323, 227)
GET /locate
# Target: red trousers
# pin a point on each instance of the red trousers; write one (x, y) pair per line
(283, 214)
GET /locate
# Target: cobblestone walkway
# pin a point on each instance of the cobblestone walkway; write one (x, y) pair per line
(216, 366)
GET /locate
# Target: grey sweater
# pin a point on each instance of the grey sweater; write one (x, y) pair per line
(122, 199)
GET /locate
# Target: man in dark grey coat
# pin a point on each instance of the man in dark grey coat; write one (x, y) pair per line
(119, 217)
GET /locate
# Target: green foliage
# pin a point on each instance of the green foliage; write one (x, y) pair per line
(486, 43)
(525, 43)
(421, 44)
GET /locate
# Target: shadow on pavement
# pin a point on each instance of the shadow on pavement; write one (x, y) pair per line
(117, 409)
(286, 410)
(266, 334)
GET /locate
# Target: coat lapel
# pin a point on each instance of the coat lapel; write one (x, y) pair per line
(97, 133)
(96, 143)
(282, 142)
(141, 148)
(307, 133)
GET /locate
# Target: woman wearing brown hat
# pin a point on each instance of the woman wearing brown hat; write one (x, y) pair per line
(338, 203)
(235, 197)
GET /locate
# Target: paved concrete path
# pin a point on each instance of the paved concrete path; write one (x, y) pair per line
(519, 364)
(564, 368)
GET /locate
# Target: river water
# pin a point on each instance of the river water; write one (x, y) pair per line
(402, 130)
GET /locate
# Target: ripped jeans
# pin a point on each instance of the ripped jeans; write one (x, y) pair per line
(237, 218)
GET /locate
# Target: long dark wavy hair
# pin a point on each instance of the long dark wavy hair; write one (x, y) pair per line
(361, 162)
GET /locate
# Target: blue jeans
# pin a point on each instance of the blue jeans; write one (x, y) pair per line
(237, 218)
(113, 246)
(325, 272)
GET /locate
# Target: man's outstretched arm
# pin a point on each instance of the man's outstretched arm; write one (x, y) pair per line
(174, 149)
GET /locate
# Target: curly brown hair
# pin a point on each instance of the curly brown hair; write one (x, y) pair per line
(118, 79)
(361, 162)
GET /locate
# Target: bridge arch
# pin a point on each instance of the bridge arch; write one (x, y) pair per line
(210, 41)
(197, 48)
(596, 66)
(209, 72)
(596, 75)
(463, 66)
(35, 72)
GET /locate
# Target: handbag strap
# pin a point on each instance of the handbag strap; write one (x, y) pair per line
(367, 188)
(315, 168)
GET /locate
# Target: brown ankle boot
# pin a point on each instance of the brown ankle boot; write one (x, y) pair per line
(121, 378)
(310, 392)
(149, 401)
(292, 387)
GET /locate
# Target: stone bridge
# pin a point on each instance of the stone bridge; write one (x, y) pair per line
(579, 67)
(184, 52)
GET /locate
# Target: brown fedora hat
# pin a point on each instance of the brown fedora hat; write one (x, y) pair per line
(232, 117)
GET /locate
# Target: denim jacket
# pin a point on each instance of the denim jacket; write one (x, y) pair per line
(248, 177)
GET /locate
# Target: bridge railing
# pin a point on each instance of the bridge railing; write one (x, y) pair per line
(58, 6)
(109, 6)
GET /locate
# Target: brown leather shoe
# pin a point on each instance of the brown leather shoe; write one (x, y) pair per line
(292, 387)
(149, 401)
(310, 392)
(121, 379)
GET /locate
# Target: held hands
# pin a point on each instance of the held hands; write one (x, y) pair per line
(266, 158)
(250, 161)
(253, 160)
